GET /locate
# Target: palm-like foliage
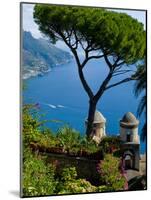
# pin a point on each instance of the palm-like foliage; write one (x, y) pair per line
(140, 87)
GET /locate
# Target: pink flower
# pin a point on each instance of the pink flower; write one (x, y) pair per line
(126, 185)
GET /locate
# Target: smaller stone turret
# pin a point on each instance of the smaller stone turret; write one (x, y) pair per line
(130, 141)
(129, 128)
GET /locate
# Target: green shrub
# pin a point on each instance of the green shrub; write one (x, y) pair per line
(68, 174)
(103, 188)
(30, 128)
(110, 174)
(89, 145)
(32, 131)
(110, 144)
(47, 139)
(77, 186)
(70, 184)
(38, 178)
(68, 138)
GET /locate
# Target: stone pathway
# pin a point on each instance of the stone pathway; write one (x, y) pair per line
(131, 174)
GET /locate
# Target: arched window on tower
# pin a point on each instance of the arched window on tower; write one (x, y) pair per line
(128, 138)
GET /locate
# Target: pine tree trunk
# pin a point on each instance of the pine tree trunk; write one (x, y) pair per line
(90, 119)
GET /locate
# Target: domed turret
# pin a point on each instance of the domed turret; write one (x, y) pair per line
(98, 117)
(129, 128)
(130, 141)
(98, 131)
(129, 120)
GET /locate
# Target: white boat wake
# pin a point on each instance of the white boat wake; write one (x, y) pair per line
(61, 106)
(54, 106)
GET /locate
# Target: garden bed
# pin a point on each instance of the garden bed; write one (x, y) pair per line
(60, 150)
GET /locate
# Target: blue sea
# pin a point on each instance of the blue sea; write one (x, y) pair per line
(63, 100)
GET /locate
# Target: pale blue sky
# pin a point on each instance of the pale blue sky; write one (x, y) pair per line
(30, 25)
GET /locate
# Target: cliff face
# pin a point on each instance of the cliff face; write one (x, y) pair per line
(39, 56)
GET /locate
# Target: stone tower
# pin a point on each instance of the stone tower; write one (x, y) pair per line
(130, 141)
(98, 131)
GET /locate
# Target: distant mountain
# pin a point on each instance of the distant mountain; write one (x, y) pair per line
(39, 56)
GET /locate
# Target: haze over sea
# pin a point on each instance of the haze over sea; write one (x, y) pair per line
(63, 100)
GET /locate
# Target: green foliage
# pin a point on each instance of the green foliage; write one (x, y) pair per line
(70, 184)
(140, 88)
(38, 178)
(110, 174)
(47, 139)
(68, 138)
(116, 33)
(116, 37)
(77, 186)
(103, 188)
(68, 174)
(109, 144)
(89, 146)
(141, 83)
(30, 128)
(32, 132)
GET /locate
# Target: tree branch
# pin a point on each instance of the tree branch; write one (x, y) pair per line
(119, 64)
(76, 41)
(81, 75)
(90, 48)
(122, 72)
(84, 83)
(120, 82)
(115, 62)
(82, 45)
(89, 58)
(96, 57)
(107, 61)
(117, 67)
(103, 86)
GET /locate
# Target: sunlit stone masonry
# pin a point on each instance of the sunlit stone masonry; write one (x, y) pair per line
(98, 131)
(130, 141)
